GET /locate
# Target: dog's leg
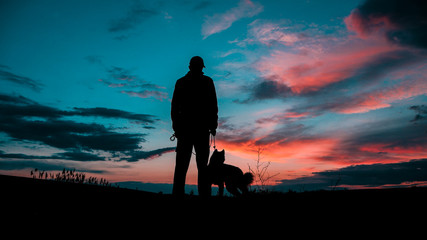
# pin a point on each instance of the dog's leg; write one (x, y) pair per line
(232, 189)
(244, 189)
(221, 189)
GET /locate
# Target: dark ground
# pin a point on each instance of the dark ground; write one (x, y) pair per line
(38, 201)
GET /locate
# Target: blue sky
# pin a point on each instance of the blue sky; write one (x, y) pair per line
(319, 85)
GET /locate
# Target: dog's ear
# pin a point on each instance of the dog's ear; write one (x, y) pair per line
(215, 158)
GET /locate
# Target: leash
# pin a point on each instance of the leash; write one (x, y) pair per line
(212, 138)
(173, 137)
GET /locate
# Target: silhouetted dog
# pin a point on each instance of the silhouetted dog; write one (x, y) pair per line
(233, 177)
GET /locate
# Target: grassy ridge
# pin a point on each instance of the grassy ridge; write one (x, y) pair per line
(44, 199)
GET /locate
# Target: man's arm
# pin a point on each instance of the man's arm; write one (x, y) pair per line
(175, 107)
(213, 124)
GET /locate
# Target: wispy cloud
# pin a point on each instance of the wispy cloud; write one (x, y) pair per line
(222, 21)
(268, 33)
(137, 14)
(421, 111)
(6, 75)
(159, 95)
(132, 85)
(112, 113)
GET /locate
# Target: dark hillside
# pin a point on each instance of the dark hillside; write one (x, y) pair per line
(46, 199)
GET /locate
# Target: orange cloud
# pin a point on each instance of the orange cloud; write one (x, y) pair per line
(300, 149)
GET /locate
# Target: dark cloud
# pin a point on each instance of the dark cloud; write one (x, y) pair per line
(18, 106)
(69, 134)
(77, 155)
(285, 133)
(374, 175)
(121, 74)
(386, 140)
(137, 14)
(132, 85)
(15, 99)
(29, 110)
(4, 155)
(44, 165)
(129, 83)
(421, 111)
(138, 155)
(113, 113)
(25, 120)
(28, 164)
(383, 64)
(229, 132)
(266, 89)
(404, 22)
(6, 75)
(393, 135)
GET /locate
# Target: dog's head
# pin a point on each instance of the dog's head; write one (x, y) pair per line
(217, 158)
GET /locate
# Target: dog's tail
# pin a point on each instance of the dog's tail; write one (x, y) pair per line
(248, 178)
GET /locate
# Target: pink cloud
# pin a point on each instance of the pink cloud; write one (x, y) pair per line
(367, 26)
(310, 71)
(220, 22)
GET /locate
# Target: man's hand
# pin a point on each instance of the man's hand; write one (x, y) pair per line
(213, 132)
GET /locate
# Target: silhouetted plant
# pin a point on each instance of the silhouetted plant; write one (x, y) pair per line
(260, 172)
(335, 185)
(69, 176)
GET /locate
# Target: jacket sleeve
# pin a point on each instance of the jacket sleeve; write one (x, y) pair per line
(213, 123)
(176, 101)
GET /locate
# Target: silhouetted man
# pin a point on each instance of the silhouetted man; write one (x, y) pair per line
(194, 116)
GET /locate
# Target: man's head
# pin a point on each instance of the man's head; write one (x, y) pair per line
(196, 64)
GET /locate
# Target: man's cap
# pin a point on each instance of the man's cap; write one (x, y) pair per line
(197, 61)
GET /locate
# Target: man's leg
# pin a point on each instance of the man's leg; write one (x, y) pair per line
(201, 146)
(183, 156)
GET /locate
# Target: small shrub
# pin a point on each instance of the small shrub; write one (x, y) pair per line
(69, 176)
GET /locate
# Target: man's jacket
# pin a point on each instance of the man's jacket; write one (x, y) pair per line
(194, 104)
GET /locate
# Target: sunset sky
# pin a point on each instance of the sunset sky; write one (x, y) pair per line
(334, 92)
